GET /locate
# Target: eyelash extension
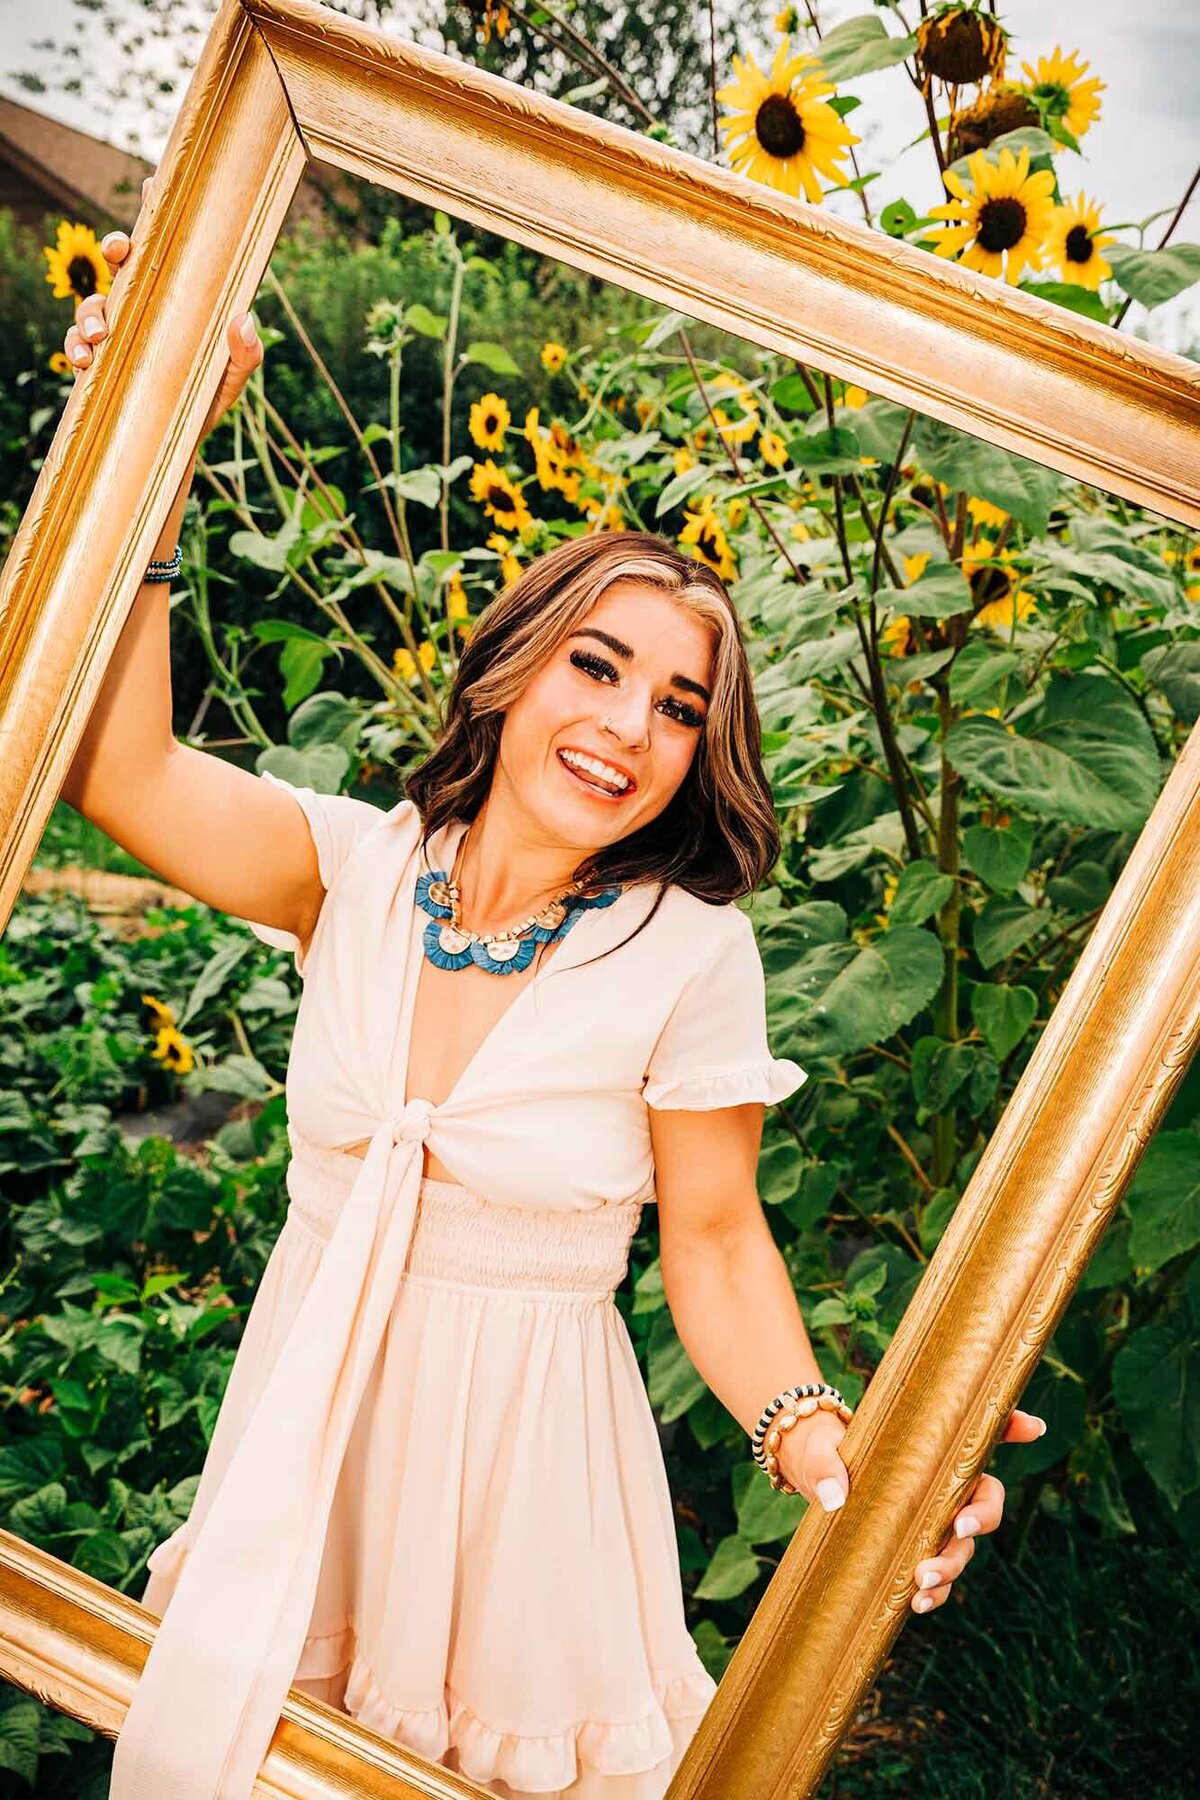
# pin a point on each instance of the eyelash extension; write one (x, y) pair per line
(598, 668)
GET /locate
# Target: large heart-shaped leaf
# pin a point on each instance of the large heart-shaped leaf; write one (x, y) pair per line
(1087, 756)
(1164, 1200)
(843, 997)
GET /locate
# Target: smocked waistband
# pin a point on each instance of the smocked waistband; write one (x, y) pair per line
(461, 1238)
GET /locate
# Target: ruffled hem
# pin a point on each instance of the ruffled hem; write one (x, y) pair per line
(536, 1765)
(768, 1082)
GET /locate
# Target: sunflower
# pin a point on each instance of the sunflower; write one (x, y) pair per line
(1000, 222)
(683, 460)
(457, 605)
(1004, 107)
(550, 459)
(742, 429)
(404, 663)
(961, 46)
(779, 128)
(490, 419)
(736, 511)
(499, 496)
(995, 591)
(853, 396)
(898, 637)
(173, 1050)
(1074, 241)
(161, 1015)
(77, 266)
(510, 562)
(488, 14)
(703, 536)
(60, 364)
(914, 566)
(772, 449)
(984, 514)
(553, 357)
(644, 410)
(1057, 88)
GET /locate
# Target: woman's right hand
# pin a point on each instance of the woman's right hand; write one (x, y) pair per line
(91, 327)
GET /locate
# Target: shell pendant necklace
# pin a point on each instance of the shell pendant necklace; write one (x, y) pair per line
(449, 944)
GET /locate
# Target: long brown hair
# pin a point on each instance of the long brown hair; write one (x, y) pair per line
(718, 835)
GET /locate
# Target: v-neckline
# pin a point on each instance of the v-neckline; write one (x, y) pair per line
(442, 855)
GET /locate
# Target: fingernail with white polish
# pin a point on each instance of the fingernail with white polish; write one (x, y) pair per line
(930, 1578)
(1044, 1427)
(247, 329)
(966, 1525)
(830, 1494)
(923, 1603)
(79, 354)
(92, 328)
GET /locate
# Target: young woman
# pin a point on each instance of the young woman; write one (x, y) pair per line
(435, 1496)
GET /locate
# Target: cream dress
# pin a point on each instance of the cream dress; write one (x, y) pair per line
(435, 1495)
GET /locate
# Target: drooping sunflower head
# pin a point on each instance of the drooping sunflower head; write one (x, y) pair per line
(173, 1051)
(1074, 242)
(779, 128)
(961, 45)
(76, 263)
(1058, 90)
(1004, 107)
(772, 449)
(490, 419)
(999, 223)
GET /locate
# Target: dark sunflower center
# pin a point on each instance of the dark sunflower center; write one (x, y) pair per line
(490, 421)
(777, 126)
(500, 498)
(1079, 244)
(81, 272)
(709, 545)
(1001, 224)
(988, 584)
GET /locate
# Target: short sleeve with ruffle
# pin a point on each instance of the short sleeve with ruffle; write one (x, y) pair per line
(713, 1049)
(337, 822)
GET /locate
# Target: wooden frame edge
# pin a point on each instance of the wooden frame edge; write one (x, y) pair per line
(282, 79)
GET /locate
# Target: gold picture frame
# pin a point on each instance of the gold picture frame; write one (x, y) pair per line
(282, 80)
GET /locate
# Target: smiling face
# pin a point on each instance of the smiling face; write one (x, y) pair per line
(640, 660)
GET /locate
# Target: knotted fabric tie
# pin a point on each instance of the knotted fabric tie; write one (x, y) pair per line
(225, 1654)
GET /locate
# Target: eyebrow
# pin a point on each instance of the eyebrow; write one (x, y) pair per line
(624, 650)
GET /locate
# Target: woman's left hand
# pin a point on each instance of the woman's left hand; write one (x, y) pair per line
(811, 1461)
(982, 1512)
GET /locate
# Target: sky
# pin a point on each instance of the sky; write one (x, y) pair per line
(1140, 155)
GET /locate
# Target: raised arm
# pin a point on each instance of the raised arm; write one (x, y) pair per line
(235, 842)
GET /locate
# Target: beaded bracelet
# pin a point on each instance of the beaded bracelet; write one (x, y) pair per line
(801, 1403)
(160, 570)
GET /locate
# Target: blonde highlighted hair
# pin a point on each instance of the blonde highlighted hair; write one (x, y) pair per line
(717, 837)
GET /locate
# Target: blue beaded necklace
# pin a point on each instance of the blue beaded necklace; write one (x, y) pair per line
(449, 944)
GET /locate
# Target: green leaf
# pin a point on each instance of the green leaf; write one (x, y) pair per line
(978, 672)
(302, 663)
(240, 1075)
(1084, 887)
(326, 718)
(939, 592)
(922, 890)
(935, 1216)
(281, 631)
(790, 394)
(671, 1380)
(1152, 276)
(1075, 298)
(492, 356)
(429, 324)
(879, 427)
(828, 452)
(764, 1516)
(1003, 1015)
(1175, 668)
(1086, 756)
(320, 767)
(422, 485)
(1002, 926)
(1000, 855)
(841, 998)
(938, 1071)
(1023, 488)
(859, 46)
(1164, 1200)
(733, 1569)
(680, 486)
(1156, 1381)
(213, 976)
(1025, 137)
